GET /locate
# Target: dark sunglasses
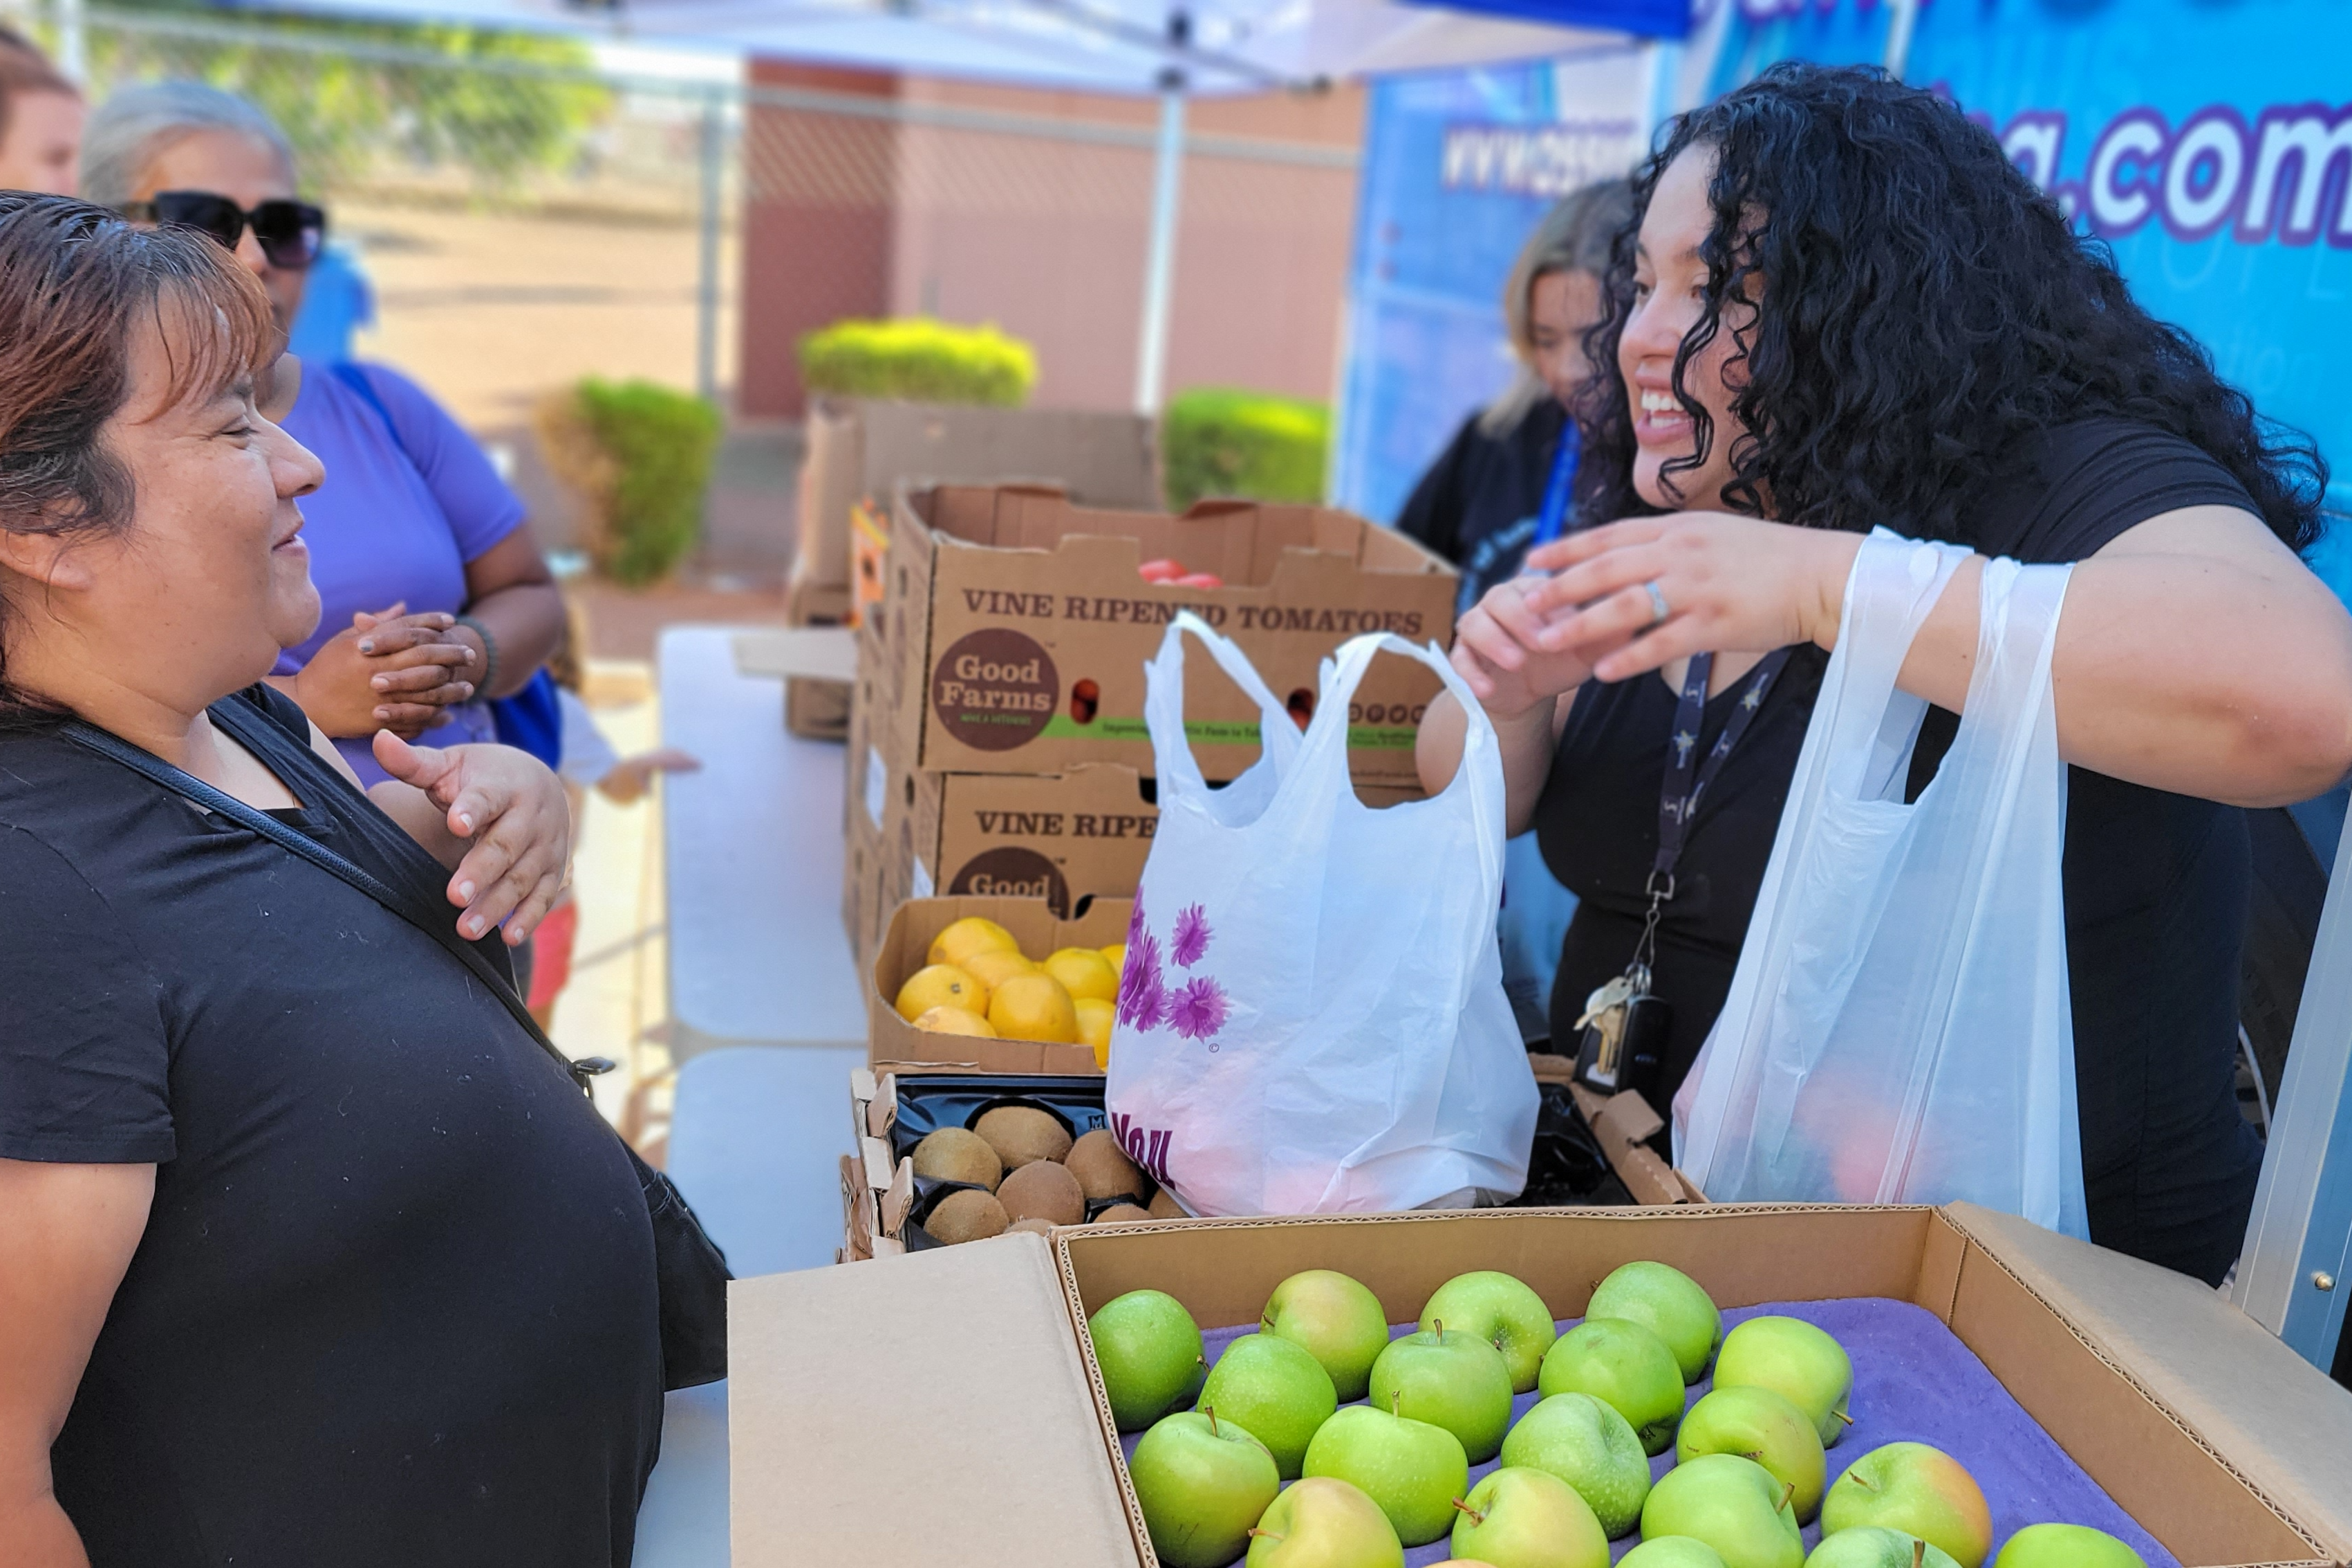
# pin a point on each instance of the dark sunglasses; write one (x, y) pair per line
(290, 234)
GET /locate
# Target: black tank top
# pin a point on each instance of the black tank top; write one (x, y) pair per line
(394, 1303)
(2156, 884)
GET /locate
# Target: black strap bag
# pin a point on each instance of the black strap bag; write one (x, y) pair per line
(691, 1269)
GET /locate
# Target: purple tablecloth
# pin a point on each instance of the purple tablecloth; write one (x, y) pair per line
(1912, 1381)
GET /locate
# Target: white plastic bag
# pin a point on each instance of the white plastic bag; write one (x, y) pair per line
(1312, 1017)
(1899, 1029)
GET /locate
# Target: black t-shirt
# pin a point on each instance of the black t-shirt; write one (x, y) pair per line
(1478, 504)
(395, 1300)
(2156, 884)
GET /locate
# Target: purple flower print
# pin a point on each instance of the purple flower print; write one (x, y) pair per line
(1193, 935)
(1136, 930)
(1142, 991)
(1197, 1009)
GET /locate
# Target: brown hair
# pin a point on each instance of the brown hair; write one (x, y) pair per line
(24, 71)
(76, 282)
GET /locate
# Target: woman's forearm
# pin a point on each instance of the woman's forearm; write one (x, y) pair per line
(1524, 741)
(525, 620)
(35, 1533)
(2190, 657)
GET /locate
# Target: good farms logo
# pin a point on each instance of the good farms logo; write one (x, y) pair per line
(1013, 872)
(995, 689)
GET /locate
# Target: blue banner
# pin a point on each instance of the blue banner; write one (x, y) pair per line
(2210, 144)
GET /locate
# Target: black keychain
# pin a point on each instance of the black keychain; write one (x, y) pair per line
(1624, 1026)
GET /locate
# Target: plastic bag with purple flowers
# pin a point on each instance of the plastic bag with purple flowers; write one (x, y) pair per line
(1312, 1017)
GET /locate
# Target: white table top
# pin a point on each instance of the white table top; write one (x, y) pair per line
(754, 850)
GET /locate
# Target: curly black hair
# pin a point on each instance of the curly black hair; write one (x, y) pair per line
(1925, 311)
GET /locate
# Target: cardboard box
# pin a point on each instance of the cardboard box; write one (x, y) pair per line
(859, 450)
(1014, 629)
(905, 947)
(2212, 1435)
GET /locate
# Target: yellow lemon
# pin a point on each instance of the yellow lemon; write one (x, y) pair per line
(968, 936)
(1034, 1008)
(1116, 956)
(955, 1021)
(997, 966)
(941, 986)
(1084, 972)
(1094, 1019)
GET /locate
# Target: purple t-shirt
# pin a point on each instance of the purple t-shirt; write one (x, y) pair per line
(403, 509)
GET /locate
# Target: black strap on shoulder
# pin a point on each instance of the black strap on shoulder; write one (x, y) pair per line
(295, 841)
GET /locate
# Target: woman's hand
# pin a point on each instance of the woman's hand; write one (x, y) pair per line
(388, 671)
(1499, 652)
(1731, 584)
(504, 822)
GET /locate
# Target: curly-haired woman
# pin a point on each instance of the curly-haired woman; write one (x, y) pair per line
(1841, 305)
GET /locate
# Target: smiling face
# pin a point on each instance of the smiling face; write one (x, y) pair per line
(210, 578)
(1670, 286)
(42, 147)
(248, 172)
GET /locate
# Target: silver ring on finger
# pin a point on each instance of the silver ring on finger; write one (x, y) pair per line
(1658, 608)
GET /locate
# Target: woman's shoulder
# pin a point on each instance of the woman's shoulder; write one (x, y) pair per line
(2079, 485)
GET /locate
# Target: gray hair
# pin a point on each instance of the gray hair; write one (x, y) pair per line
(1574, 236)
(133, 128)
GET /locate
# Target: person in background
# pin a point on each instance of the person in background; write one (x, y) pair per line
(435, 598)
(588, 763)
(337, 302)
(1505, 480)
(1845, 307)
(41, 118)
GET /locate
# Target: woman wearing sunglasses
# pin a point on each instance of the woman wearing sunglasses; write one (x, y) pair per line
(436, 598)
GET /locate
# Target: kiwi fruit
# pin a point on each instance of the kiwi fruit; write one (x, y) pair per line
(1165, 1207)
(1102, 1168)
(1120, 1213)
(953, 1154)
(1033, 1226)
(1022, 1134)
(966, 1215)
(1042, 1190)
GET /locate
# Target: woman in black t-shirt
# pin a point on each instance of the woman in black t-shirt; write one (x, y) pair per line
(310, 1254)
(1841, 305)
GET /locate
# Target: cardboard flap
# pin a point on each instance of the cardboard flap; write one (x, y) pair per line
(970, 1394)
(2285, 1426)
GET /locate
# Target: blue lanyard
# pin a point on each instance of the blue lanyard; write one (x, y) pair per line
(1552, 522)
(1687, 775)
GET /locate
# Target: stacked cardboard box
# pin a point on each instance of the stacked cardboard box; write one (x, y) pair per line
(997, 739)
(858, 450)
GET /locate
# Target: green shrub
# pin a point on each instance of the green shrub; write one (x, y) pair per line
(640, 455)
(1220, 441)
(919, 359)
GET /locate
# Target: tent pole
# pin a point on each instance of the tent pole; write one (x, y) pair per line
(706, 290)
(1901, 17)
(1159, 266)
(73, 49)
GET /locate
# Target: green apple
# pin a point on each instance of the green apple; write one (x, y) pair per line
(1766, 1428)
(1276, 1391)
(1500, 1310)
(1149, 1349)
(1203, 1483)
(1627, 1368)
(1870, 1547)
(1518, 1517)
(1333, 1319)
(1912, 1487)
(1670, 1304)
(1449, 1379)
(1795, 1360)
(1733, 1505)
(2066, 1546)
(1324, 1524)
(1412, 1469)
(1671, 1552)
(1591, 1448)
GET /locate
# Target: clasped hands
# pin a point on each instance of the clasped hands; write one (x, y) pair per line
(390, 670)
(1583, 607)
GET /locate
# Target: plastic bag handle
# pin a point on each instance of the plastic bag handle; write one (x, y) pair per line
(1163, 704)
(1481, 768)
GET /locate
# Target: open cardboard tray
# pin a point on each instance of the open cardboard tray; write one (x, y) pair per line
(897, 1045)
(979, 1380)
